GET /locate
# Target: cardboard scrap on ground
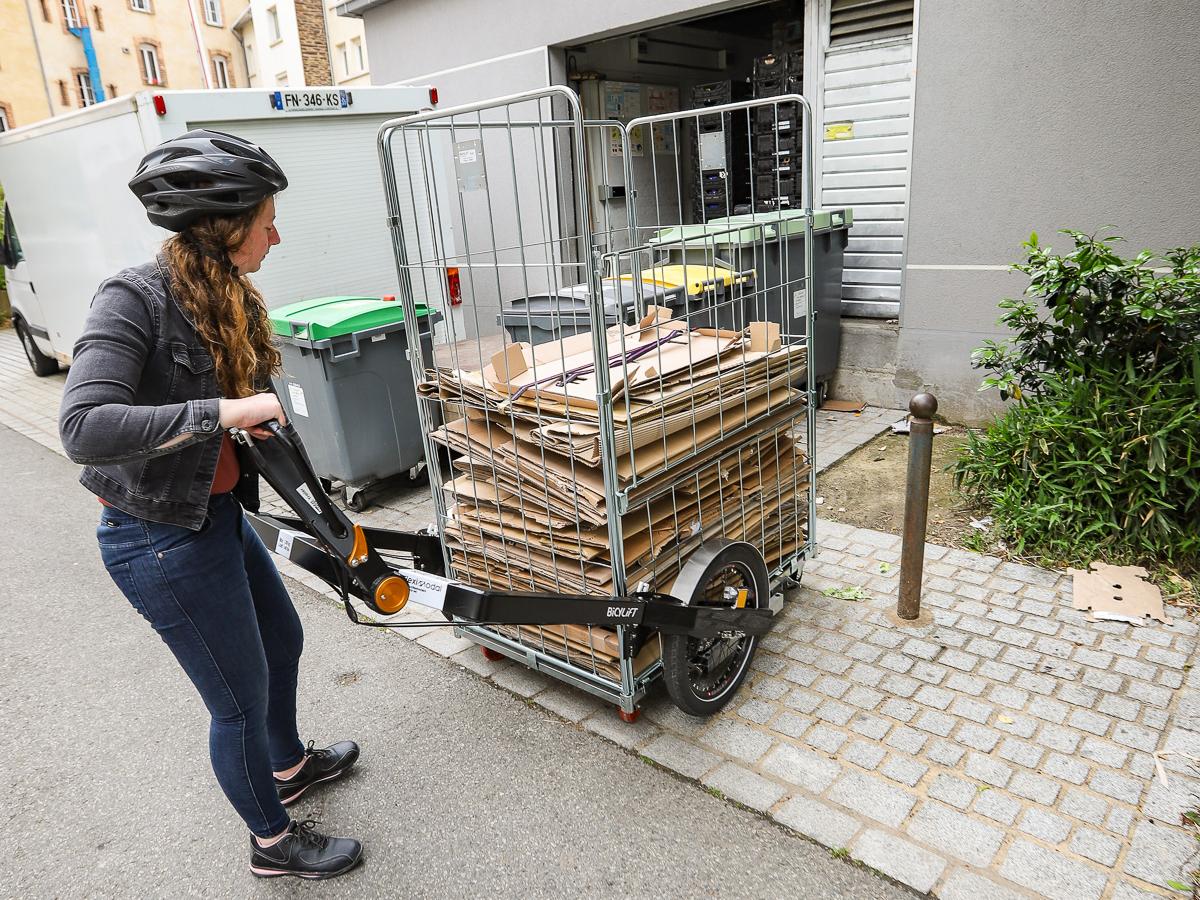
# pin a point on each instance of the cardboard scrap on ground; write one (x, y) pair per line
(1117, 594)
(853, 406)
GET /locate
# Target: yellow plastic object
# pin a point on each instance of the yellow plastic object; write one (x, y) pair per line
(693, 278)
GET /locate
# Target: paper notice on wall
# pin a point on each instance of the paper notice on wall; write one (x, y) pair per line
(800, 303)
(632, 108)
(662, 99)
(296, 395)
(623, 101)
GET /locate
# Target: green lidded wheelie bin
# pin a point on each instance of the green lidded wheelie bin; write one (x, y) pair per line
(772, 245)
(347, 386)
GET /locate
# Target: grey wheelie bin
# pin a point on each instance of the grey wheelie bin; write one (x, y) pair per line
(347, 386)
(539, 318)
(772, 246)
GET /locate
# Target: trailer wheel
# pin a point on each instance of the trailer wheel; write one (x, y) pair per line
(41, 364)
(703, 674)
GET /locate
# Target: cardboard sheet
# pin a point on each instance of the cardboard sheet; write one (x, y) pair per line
(706, 446)
(854, 406)
(1117, 593)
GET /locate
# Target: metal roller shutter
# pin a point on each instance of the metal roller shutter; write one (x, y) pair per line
(867, 94)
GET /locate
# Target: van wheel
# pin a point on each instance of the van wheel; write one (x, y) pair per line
(41, 364)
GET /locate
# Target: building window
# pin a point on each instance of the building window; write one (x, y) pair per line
(344, 55)
(151, 69)
(63, 96)
(83, 81)
(5, 120)
(273, 25)
(71, 14)
(281, 79)
(98, 18)
(112, 91)
(140, 5)
(212, 12)
(251, 63)
(220, 72)
(46, 10)
(359, 59)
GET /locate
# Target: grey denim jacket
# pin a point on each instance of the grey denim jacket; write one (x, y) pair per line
(141, 377)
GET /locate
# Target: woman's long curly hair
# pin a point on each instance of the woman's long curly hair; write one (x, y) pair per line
(227, 310)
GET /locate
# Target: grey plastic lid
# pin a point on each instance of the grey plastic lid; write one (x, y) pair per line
(622, 294)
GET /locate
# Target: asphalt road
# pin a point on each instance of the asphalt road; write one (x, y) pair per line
(462, 790)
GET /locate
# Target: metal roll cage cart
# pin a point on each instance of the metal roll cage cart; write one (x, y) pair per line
(620, 502)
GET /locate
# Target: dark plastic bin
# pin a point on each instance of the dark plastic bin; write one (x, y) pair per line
(772, 245)
(347, 386)
(549, 317)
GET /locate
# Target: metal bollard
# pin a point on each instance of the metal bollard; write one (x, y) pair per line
(916, 505)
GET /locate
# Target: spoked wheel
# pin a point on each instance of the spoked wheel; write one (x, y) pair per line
(703, 674)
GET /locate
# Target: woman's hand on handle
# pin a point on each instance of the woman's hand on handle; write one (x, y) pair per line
(248, 413)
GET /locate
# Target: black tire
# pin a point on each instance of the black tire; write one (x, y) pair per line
(41, 364)
(694, 687)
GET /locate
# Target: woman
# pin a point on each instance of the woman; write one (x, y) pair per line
(174, 353)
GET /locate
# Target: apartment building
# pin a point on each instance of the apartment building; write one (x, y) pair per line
(297, 43)
(61, 55)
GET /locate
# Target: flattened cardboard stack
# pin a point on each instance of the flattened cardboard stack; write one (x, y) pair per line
(527, 507)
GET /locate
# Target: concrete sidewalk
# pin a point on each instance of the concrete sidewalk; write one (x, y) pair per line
(1007, 750)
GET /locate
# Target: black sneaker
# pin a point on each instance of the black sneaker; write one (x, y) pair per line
(305, 853)
(319, 766)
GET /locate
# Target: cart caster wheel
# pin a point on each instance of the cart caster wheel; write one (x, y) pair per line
(491, 655)
(354, 500)
(629, 717)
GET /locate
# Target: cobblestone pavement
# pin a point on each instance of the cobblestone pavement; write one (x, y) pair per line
(1006, 750)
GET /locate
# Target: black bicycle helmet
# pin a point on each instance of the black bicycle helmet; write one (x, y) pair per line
(204, 173)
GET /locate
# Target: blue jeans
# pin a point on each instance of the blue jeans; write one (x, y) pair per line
(216, 599)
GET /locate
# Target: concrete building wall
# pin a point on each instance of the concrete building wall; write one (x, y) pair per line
(250, 45)
(315, 45)
(23, 94)
(278, 61)
(415, 37)
(1035, 116)
(346, 33)
(185, 50)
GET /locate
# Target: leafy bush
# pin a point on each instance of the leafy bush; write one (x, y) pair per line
(1101, 453)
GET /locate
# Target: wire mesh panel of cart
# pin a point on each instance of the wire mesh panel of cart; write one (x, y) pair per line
(610, 425)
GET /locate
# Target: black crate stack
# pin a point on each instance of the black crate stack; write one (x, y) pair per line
(777, 137)
(718, 190)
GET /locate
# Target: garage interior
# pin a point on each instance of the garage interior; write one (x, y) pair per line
(753, 52)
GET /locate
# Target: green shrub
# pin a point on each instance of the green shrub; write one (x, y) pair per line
(1100, 455)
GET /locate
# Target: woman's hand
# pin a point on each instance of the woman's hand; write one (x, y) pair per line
(249, 412)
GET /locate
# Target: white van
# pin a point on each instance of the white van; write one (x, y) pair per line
(70, 219)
